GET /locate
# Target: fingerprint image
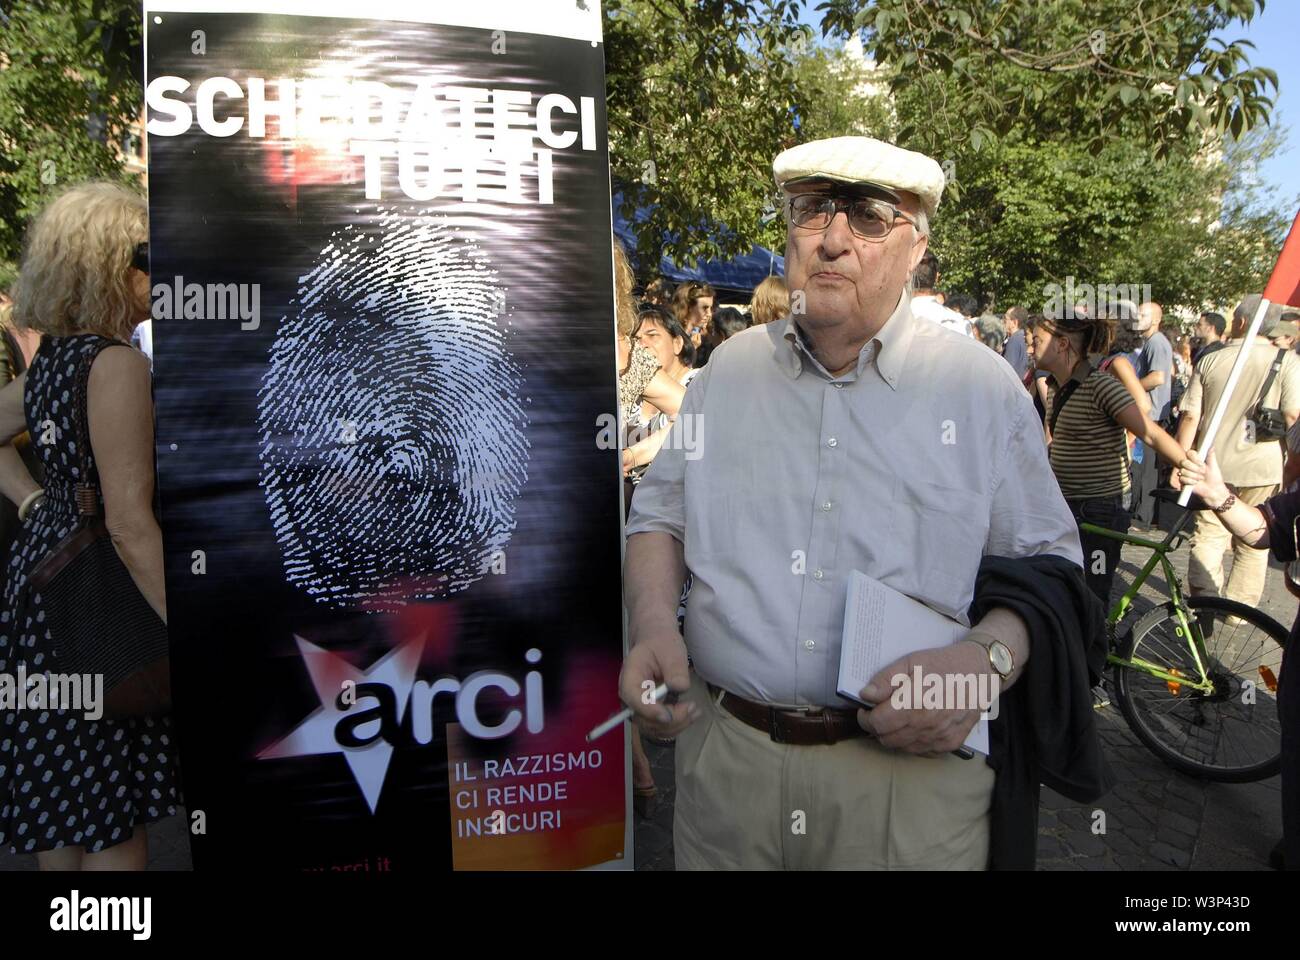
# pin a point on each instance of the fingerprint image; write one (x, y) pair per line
(393, 440)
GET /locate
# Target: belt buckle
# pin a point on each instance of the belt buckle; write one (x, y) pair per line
(773, 720)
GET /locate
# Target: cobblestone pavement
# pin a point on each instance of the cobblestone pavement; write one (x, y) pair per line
(1155, 818)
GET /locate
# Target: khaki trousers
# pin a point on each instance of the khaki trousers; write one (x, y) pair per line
(1209, 541)
(744, 802)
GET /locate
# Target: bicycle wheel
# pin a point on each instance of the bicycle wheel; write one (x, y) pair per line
(1231, 735)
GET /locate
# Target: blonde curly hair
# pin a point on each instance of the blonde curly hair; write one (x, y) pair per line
(74, 272)
(624, 303)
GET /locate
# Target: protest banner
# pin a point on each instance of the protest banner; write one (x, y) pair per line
(383, 327)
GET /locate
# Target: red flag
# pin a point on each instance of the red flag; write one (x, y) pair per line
(1284, 285)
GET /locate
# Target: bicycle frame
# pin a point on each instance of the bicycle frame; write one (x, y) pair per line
(1187, 626)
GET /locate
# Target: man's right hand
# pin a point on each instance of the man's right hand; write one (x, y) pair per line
(658, 655)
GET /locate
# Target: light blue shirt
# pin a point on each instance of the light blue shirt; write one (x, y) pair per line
(909, 468)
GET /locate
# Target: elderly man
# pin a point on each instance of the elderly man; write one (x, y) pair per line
(848, 436)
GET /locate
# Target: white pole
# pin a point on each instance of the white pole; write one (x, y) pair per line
(1233, 376)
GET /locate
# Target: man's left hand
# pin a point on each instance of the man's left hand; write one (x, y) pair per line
(931, 733)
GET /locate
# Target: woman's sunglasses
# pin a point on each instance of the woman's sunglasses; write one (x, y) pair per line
(140, 259)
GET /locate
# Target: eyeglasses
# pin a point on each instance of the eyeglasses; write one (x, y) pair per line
(869, 219)
(140, 259)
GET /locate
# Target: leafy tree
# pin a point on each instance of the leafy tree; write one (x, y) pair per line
(1037, 213)
(699, 95)
(69, 88)
(1049, 127)
(1053, 162)
(842, 94)
(1148, 73)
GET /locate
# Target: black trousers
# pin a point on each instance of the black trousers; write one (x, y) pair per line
(1100, 554)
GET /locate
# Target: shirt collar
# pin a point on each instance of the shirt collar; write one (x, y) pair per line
(888, 347)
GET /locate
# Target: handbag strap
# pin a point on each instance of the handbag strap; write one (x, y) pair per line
(87, 485)
(1272, 375)
(1059, 401)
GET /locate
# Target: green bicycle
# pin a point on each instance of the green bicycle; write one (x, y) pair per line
(1196, 677)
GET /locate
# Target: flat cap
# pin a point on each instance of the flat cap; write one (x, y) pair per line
(863, 161)
(1284, 328)
(1249, 306)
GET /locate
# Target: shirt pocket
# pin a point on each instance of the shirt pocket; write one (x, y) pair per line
(944, 528)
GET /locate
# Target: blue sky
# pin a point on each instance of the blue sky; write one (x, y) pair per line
(1274, 34)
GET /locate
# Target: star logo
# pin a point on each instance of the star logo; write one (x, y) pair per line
(315, 735)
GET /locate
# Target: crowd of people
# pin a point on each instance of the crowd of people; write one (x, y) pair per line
(861, 418)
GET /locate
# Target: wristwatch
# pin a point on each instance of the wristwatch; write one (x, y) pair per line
(1000, 657)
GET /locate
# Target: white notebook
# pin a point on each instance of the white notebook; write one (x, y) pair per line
(880, 626)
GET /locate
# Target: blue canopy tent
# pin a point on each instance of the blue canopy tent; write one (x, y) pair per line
(740, 275)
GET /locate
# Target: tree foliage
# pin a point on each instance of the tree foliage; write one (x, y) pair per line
(1041, 196)
(1037, 213)
(1098, 139)
(69, 87)
(699, 95)
(1151, 73)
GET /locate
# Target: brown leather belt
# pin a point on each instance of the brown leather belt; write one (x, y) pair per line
(816, 725)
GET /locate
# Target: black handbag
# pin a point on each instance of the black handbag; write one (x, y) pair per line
(99, 620)
(1269, 422)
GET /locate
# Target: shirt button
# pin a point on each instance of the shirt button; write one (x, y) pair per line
(826, 507)
(809, 644)
(817, 574)
(832, 442)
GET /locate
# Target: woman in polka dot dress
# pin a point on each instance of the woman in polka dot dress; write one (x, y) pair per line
(74, 791)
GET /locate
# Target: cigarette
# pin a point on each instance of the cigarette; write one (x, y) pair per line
(617, 720)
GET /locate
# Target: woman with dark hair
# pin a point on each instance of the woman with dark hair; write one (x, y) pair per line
(659, 332)
(1088, 411)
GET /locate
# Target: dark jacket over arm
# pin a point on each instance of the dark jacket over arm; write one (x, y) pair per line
(1046, 730)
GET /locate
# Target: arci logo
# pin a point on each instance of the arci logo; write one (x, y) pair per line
(362, 711)
(77, 913)
(1102, 300)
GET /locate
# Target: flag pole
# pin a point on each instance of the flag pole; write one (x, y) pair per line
(1233, 376)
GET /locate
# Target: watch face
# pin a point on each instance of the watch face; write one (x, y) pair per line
(1000, 657)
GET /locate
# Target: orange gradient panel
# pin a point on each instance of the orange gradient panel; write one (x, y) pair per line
(545, 801)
